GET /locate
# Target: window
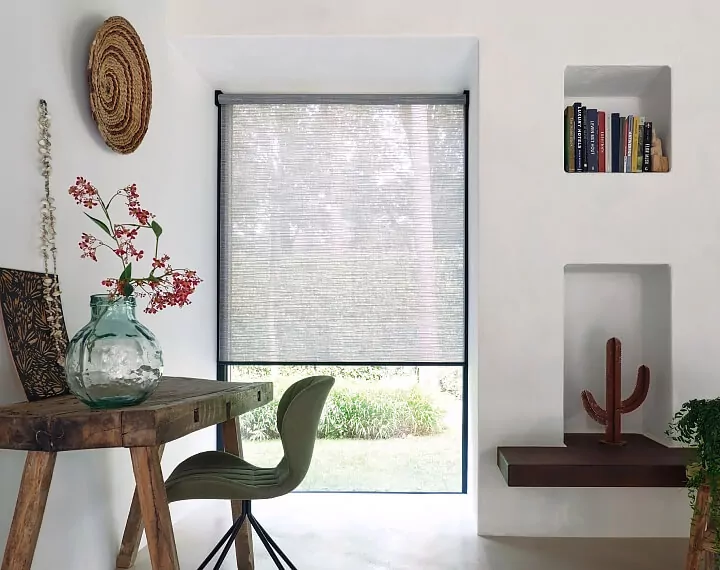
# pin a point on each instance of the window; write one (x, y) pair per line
(342, 243)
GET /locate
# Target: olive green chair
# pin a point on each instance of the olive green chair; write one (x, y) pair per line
(220, 475)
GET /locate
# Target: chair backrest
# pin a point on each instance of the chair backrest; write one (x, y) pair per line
(298, 417)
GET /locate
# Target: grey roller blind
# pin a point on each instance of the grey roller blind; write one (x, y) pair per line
(342, 229)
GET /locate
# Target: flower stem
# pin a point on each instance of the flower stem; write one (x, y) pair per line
(112, 226)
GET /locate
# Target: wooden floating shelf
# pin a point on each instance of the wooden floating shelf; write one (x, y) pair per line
(585, 462)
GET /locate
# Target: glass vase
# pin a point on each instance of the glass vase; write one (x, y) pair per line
(114, 360)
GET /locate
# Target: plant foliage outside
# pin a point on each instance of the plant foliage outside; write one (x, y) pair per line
(383, 428)
(697, 424)
(370, 413)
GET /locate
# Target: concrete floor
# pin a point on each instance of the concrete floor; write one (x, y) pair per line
(406, 532)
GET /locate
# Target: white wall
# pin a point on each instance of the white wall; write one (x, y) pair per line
(43, 53)
(532, 218)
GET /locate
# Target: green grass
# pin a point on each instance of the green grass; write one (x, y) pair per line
(424, 463)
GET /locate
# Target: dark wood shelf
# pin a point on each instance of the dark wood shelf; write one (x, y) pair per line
(585, 462)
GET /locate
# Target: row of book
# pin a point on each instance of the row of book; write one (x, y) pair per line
(596, 141)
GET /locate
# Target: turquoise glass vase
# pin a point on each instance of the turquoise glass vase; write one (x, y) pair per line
(114, 360)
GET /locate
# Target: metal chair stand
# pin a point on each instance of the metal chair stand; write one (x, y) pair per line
(228, 539)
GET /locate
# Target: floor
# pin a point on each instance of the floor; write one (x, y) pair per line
(406, 532)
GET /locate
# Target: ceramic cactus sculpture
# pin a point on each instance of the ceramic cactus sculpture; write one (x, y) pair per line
(615, 406)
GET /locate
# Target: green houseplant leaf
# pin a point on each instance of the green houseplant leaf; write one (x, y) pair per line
(100, 223)
(126, 275)
(124, 279)
(697, 425)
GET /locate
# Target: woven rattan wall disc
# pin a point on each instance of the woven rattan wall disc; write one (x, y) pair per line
(120, 85)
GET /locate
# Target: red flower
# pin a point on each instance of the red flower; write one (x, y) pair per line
(88, 246)
(170, 287)
(173, 290)
(160, 263)
(133, 202)
(125, 232)
(126, 250)
(84, 193)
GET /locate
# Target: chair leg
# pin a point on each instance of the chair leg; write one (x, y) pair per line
(228, 540)
(268, 547)
(270, 544)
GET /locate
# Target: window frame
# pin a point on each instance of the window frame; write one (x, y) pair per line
(223, 368)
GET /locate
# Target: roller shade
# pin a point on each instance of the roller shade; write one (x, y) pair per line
(342, 229)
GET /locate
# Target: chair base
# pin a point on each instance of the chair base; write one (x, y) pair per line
(228, 539)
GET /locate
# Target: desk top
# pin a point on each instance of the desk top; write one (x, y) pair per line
(178, 407)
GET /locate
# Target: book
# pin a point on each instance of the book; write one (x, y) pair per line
(623, 144)
(585, 139)
(629, 147)
(592, 140)
(569, 150)
(608, 138)
(572, 144)
(647, 145)
(635, 141)
(577, 108)
(602, 157)
(597, 140)
(638, 157)
(566, 152)
(615, 141)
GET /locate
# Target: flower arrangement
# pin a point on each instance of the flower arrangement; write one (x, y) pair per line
(164, 285)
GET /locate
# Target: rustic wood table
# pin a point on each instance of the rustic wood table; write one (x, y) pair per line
(178, 407)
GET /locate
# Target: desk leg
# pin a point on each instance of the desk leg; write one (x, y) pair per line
(153, 501)
(243, 542)
(29, 510)
(133, 531)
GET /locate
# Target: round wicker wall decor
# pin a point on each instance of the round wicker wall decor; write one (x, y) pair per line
(120, 85)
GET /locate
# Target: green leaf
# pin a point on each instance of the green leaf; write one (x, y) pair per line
(99, 223)
(157, 230)
(126, 274)
(128, 289)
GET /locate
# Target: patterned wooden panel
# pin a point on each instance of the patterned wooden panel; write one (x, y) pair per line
(29, 335)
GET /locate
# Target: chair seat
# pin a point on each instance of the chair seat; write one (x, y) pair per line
(220, 475)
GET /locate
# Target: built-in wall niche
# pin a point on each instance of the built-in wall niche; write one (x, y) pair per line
(641, 93)
(632, 303)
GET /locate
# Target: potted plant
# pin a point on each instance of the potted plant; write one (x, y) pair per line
(114, 360)
(697, 425)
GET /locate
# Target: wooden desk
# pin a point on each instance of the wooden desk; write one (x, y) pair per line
(178, 407)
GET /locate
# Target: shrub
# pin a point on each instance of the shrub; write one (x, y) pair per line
(452, 383)
(261, 423)
(344, 374)
(359, 414)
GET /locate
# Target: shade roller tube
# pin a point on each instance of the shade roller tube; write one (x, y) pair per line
(342, 232)
(340, 99)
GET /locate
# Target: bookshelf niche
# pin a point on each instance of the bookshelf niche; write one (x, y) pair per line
(608, 113)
